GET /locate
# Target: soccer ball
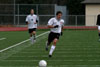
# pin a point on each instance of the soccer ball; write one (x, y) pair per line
(42, 63)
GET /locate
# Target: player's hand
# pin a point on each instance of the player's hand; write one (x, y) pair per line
(61, 33)
(56, 26)
(35, 23)
(27, 22)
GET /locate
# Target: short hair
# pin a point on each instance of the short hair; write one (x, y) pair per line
(58, 12)
(32, 9)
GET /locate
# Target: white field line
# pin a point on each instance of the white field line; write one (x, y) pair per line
(63, 56)
(21, 42)
(81, 60)
(2, 38)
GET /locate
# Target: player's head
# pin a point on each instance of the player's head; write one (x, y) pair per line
(59, 15)
(32, 11)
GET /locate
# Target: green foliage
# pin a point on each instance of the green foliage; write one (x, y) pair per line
(75, 7)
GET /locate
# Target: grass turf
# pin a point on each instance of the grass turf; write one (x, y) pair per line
(76, 48)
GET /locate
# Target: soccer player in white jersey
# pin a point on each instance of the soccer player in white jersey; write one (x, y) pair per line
(32, 21)
(56, 26)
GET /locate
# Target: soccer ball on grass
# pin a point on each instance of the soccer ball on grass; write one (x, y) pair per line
(42, 63)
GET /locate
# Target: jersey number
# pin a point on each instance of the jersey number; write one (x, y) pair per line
(31, 19)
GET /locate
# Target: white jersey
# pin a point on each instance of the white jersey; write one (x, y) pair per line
(54, 22)
(31, 19)
(98, 27)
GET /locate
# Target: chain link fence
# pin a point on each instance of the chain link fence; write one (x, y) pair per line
(11, 14)
(70, 20)
(16, 16)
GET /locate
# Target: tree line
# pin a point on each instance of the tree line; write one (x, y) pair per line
(74, 7)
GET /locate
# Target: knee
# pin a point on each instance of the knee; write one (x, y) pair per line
(34, 32)
(55, 41)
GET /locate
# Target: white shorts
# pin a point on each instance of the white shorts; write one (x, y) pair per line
(98, 27)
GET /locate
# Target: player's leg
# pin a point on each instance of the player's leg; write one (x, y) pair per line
(55, 40)
(47, 45)
(53, 47)
(99, 32)
(99, 35)
(50, 39)
(34, 33)
(31, 37)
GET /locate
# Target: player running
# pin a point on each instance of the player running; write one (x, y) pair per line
(56, 25)
(98, 23)
(32, 21)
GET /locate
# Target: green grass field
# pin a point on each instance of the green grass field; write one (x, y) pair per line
(76, 48)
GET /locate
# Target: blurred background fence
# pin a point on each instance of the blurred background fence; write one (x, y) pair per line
(71, 20)
(11, 14)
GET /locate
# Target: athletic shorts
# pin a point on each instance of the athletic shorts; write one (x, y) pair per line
(52, 36)
(98, 27)
(31, 30)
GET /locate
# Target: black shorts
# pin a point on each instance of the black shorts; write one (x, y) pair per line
(31, 30)
(98, 20)
(52, 36)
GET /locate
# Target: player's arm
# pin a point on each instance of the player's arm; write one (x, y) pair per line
(37, 20)
(50, 24)
(27, 20)
(62, 28)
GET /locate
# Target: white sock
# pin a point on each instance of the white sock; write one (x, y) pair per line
(52, 49)
(34, 36)
(31, 39)
(47, 44)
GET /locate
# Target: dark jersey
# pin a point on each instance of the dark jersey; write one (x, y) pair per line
(98, 19)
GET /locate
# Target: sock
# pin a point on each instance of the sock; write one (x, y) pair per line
(34, 37)
(47, 44)
(31, 39)
(52, 49)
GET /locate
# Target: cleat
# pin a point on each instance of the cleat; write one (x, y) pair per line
(46, 48)
(50, 56)
(34, 40)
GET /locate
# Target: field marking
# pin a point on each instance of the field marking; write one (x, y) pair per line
(81, 60)
(2, 38)
(71, 49)
(21, 42)
(65, 65)
(63, 56)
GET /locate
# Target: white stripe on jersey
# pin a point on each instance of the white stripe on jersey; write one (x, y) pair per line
(54, 22)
